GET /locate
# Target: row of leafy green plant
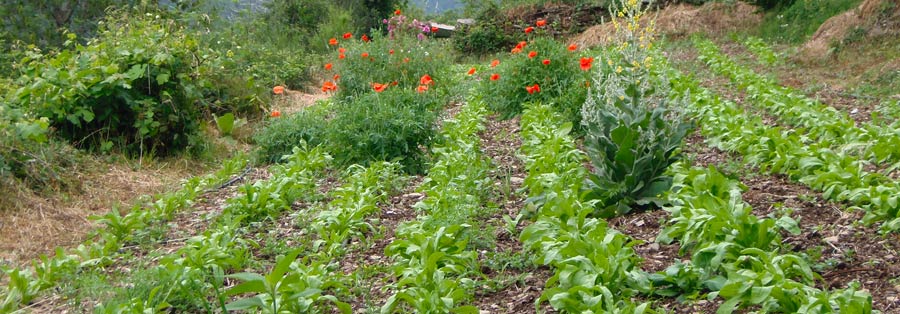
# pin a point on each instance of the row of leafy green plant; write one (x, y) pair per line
(25, 284)
(822, 123)
(432, 264)
(761, 50)
(839, 175)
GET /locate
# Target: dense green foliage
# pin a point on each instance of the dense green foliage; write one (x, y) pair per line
(486, 35)
(795, 21)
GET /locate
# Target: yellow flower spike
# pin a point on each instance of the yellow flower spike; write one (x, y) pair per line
(621, 97)
(609, 62)
(619, 69)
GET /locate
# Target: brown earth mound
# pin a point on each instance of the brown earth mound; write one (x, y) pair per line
(873, 17)
(683, 19)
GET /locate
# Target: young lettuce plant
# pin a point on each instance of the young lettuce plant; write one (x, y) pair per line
(633, 128)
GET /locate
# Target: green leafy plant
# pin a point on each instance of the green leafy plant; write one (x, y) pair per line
(633, 129)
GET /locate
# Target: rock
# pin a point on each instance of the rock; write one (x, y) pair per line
(413, 195)
(516, 180)
(653, 247)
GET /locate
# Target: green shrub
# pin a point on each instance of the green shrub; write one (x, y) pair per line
(795, 21)
(394, 125)
(632, 131)
(139, 85)
(487, 35)
(280, 136)
(562, 82)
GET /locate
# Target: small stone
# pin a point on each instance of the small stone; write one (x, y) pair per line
(831, 239)
(854, 111)
(892, 299)
(516, 180)
(412, 195)
(639, 223)
(653, 247)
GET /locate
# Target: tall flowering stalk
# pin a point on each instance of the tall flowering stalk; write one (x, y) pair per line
(633, 125)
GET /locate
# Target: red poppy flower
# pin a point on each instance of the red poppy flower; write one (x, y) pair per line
(333, 41)
(546, 62)
(495, 63)
(471, 71)
(328, 86)
(405, 60)
(421, 88)
(434, 29)
(365, 54)
(391, 51)
(495, 77)
(275, 114)
(522, 44)
(572, 47)
(328, 66)
(516, 50)
(426, 80)
(533, 89)
(364, 38)
(397, 12)
(342, 50)
(529, 29)
(341, 55)
(532, 54)
(541, 23)
(586, 63)
(394, 83)
(336, 77)
(348, 35)
(378, 87)
(278, 90)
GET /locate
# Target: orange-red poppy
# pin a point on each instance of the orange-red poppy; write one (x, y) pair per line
(328, 86)
(333, 41)
(529, 29)
(336, 77)
(516, 50)
(532, 54)
(378, 87)
(495, 63)
(328, 66)
(471, 71)
(546, 62)
(391, 51)
(541, 23)
(342, 50)
(572, 47)
(397, 12)
(522, 44)
(495, 77)
(278, 90)
(421, 88)
(275, 114)
(533, 89)
(405, 60)
(434, 29)
(426, 80)
(341, 55)
(348, 35)
(365, 54)
(394, 83)
(364, 38)
(586, 63)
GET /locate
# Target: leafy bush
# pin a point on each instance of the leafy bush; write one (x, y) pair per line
(561, 82)
(279, 136)
(137, 85)
(395, 125)
(633, 132)
(795, 21)
(486, 35)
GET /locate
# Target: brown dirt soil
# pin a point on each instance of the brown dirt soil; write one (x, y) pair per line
(45, 223)
(868, 16)
(292, 100)
(683, 19)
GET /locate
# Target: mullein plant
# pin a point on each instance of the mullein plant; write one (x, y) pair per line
(634, 127)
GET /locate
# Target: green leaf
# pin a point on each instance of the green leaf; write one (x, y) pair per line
(244, 304)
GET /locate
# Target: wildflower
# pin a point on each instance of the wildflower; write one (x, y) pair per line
(532, 54)
(348, 35)
(365, 54)
(275, 114)
(405, 60)
(378, 87)
(586, 63)
(341, 56)
(471, 71)
(426, 80)
(495, 77)
(397, 12)
(421, 88)
(333, 41)
(522, 44)
(529, 29)
(364, 38)
(541, 23)
(533, 89)
(619, 69)
(391, 51)
(328, 66)
(546, 62)
(342, 50)
(278, 90)
(573, 47)
(394, 83)
(328, 86)
(434, 29)
(516, 50)
(336, 77)
(495, 63)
